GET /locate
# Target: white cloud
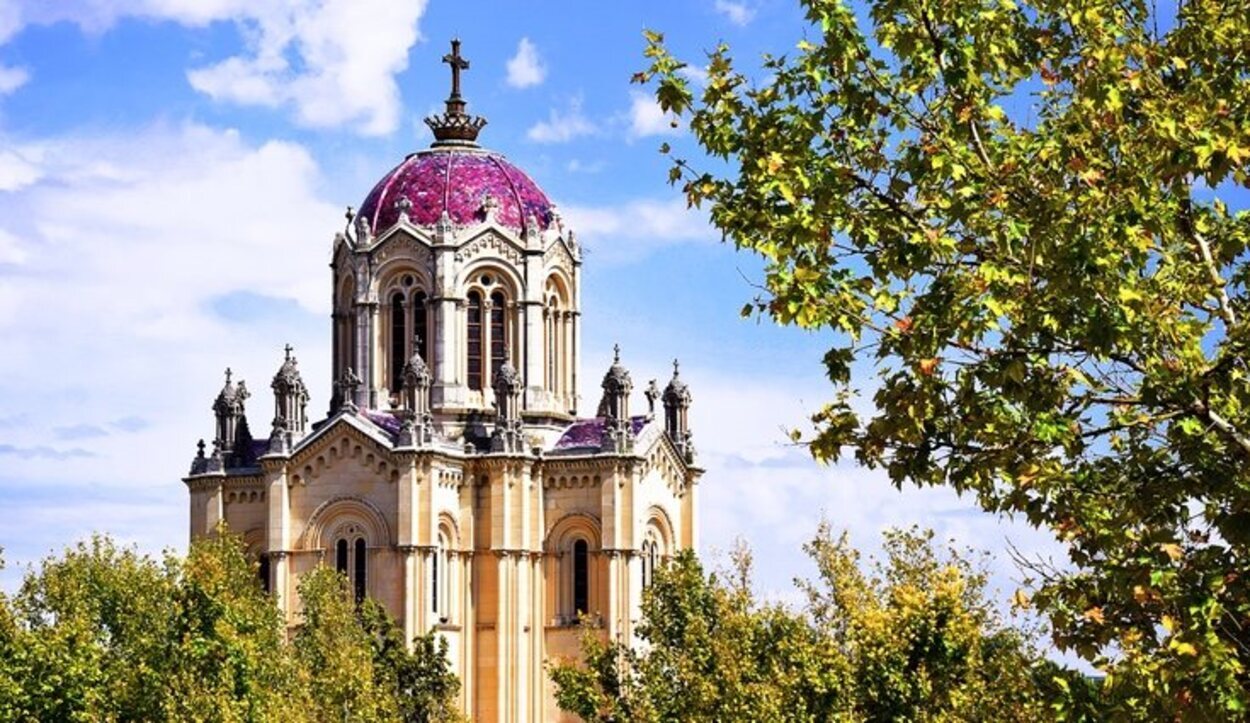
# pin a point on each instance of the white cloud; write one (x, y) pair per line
(694, 74)
(12, 78)
(526, 68)
(11, 251)
(633, 229)
(739, 13)
(577, 165)
(122, 259)
(562, 126)
(18, 167)
(646, 118)
(349, 52)
(332, 62)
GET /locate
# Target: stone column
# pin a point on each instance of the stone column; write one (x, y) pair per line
(278, 544)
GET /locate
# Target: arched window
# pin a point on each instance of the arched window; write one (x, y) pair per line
(552, 366)
(434, 581)
(399, 339)
(441, 580)
(263, 571)
(498, 333)
(581, 577)
(361, 564)
(340, 557)
(475, 340)
(646, 572)
(351, 560)
(420, 326)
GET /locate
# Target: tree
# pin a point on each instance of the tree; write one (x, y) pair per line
(103, 633)
(1023, 216)
(916, 641)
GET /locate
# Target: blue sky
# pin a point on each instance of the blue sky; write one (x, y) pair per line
(172, 173)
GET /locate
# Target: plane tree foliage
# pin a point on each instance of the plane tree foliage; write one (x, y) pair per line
(912, 638)
(103, 633)
(1026, 221)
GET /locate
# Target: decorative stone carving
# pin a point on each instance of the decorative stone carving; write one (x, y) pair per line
(403, 246)
(557, 256)
(404, 205)
(348, 387)
(486, 244)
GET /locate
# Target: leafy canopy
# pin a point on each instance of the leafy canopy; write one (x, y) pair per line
(917, 641)
(103, 633)
(1029, 218)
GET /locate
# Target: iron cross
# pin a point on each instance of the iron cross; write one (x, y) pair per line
(457, 64)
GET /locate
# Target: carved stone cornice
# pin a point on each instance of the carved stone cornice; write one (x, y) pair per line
(202, 483)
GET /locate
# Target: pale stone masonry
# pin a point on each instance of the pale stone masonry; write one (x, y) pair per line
(453, 480)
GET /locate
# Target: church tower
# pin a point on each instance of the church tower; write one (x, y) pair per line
(453, 479)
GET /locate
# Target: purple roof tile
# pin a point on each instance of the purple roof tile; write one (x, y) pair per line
(457, 180)
(388, 423)
(589, 432)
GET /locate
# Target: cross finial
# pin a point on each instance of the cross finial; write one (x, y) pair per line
(288, 350)
(675, 368)
(616, 353)
(457, 64)
(228, 373)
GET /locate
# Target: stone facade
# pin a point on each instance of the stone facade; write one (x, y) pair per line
(453, 480)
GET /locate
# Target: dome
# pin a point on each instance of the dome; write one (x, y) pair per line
(457, 180)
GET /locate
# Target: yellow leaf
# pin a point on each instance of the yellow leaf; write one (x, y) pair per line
(1169, 623)
(1020, 599)
(1095, 615)
(775, 162)
(1173, 551)
(1185, 649)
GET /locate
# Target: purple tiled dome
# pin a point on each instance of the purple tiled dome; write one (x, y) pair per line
(458, 180)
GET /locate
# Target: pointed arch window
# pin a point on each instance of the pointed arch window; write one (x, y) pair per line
(581, 577)
(475, 340)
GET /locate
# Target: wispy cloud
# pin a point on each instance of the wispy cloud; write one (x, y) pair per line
(526, 69)
(563, 126)
(577, 165)
(632, 229)
(76, 432)
(131, 424)
(738, 13)
(12, 78)
(43, 452)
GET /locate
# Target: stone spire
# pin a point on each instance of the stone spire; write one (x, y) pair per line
(455, 127)
(618, 433)
(676, 409)
(509, 435)
(232, 446)
(418, 427)
(290, 405)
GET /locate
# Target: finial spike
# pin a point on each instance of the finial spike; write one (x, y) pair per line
(616, 353)
(288, 349)
(228, 373)
(675, 368)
